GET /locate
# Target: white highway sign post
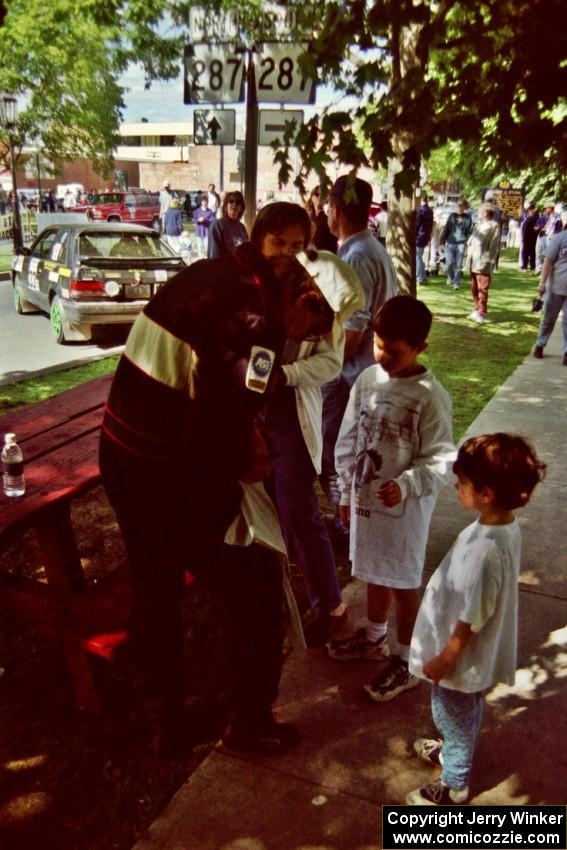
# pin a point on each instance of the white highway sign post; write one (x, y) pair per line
(214, 126)
(273, 124)
(214, 73)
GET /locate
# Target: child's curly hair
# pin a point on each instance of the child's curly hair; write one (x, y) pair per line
(505, 463)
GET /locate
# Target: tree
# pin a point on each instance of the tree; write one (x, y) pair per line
(63, 65)
(491, 73)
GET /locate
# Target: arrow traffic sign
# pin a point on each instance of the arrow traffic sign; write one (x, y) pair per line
(273, 124)
(214, 126)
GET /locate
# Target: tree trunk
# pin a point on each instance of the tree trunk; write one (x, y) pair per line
(400, 241)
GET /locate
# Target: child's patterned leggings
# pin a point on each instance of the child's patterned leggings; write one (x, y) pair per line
(457, 716)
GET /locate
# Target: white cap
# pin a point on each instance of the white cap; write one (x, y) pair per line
(166, 183)
(338, 282)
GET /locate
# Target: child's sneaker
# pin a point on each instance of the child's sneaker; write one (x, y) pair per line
(358, 646)
(429, 750)
(437, 794)
(391, 681)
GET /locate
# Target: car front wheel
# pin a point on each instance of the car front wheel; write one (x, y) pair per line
(56, 317)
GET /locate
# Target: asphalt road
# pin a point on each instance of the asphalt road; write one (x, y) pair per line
(28, 348)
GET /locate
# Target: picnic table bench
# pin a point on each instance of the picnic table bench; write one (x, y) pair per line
(59, 438)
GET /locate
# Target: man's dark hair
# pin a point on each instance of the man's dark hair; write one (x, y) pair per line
(352, 196)
(276, 217)
(505, 463)
(403, 317)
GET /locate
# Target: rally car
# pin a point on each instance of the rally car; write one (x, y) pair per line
(91, 274)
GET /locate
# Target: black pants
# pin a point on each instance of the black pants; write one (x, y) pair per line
(528, 259)
(171, 524)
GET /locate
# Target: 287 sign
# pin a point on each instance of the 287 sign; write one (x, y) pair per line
(279, 78)
(214, 73)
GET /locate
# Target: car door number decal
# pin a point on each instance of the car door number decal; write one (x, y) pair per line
(33, 282)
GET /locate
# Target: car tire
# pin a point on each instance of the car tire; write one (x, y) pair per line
(56, 318)
(21, 305)
(112, 219)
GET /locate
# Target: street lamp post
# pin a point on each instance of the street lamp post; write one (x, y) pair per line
(8, 121)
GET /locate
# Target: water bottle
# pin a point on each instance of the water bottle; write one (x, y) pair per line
(12, 467)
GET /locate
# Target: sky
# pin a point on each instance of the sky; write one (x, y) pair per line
(163, 102)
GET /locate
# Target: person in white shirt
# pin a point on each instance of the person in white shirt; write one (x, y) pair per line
(394, 454)
(464, 639)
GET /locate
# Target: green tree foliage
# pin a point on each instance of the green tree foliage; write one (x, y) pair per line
(62, 63)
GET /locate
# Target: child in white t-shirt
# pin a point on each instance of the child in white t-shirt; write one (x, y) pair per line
(464, 639)
(394, 453)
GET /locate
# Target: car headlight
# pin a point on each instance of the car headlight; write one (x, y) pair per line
(112, 288)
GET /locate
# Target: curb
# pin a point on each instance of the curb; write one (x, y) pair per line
(61, 367)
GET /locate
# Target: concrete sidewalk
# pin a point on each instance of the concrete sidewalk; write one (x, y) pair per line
(356, 755)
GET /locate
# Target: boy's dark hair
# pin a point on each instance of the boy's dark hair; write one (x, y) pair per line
(505, 463)
(276, 217)
(403, 317)
(353, 197)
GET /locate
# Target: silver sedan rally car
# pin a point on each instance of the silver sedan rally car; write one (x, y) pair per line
(91, 274)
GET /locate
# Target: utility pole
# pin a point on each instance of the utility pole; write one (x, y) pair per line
(251, 146)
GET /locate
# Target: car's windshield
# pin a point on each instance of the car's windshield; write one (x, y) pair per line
(133, 245)
(108, 198)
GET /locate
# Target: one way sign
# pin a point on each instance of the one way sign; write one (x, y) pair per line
(273, 124)
(214, 126)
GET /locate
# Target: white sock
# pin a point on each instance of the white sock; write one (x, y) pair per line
(403, 651)
(376, 631)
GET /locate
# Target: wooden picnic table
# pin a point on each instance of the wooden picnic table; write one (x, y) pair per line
(59, 438)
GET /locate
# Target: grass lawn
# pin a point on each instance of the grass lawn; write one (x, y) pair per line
(5, 260)
(470, 360)
(38, 389)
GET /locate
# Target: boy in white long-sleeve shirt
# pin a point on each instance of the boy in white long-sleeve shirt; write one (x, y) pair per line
(393, 455)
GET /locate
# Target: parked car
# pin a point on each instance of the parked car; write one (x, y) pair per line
(91, 274)
(135, 206)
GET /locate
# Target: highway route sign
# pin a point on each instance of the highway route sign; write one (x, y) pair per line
(214, 73)
(273, 123)
(214, 127)
(278, 75)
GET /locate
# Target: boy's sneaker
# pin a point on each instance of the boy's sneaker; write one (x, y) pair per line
(391, 681)
(358, 646)
(474, 316)
(538, 352)
(429, 750)
(437, 794)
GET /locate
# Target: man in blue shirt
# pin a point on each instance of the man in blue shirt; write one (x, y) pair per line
(349, 209)
(455, 234)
